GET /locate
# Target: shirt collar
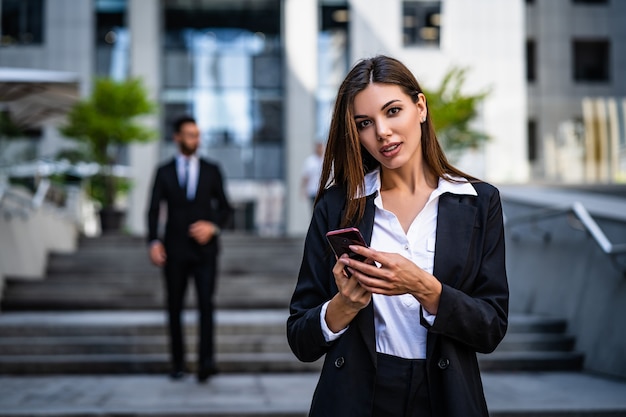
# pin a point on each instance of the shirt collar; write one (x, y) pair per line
(448, 184)
(180, 158)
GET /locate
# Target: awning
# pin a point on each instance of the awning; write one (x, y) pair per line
(32, 96)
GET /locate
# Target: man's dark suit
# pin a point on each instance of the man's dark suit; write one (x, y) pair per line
(185, 256)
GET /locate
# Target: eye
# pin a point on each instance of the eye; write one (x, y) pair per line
(363, 124)
(393, 110)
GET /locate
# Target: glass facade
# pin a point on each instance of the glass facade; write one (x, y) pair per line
(222, 64)
(112, 39)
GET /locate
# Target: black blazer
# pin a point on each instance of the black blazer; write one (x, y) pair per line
(210, 203)
(472, 315)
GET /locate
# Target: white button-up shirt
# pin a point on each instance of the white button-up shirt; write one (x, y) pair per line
(396, 318)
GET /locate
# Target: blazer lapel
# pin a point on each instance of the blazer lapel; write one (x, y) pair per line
(455, 228)
(365, 318)
(173, 175)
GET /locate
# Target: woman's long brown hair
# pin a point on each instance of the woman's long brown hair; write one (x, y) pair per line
(345, 161)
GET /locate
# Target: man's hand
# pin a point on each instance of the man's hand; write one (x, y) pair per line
(203, 231)
(157, 253)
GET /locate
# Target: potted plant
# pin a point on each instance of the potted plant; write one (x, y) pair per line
(105, 122)
(453, 111)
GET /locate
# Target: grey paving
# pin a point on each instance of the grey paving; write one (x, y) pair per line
(508, 394)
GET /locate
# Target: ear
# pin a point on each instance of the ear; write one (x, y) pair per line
(422, 108)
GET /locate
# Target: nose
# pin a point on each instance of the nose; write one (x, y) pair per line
(383, 131)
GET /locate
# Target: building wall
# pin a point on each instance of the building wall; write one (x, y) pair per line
(144, 23)
(554, 97)
(485, 36)
(67, 46)
(300, 39)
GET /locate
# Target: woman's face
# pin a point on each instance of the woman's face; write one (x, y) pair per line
(388, 122)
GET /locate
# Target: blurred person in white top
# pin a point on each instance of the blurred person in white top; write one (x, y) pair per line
(311, 172)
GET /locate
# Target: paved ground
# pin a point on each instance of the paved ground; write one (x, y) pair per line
(508, 394)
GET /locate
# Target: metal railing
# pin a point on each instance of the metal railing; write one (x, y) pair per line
(15, 204)
(588, 224)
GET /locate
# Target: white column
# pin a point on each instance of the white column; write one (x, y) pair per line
(144, 23)
(300, 27)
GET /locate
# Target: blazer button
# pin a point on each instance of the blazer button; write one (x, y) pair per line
(443, 363)
(339, 362)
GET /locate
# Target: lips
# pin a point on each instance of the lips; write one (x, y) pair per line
(390, 149)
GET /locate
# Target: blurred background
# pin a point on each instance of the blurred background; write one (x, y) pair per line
(260, 76)
(529, 95)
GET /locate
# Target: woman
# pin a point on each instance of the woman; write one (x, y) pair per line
(400, 331)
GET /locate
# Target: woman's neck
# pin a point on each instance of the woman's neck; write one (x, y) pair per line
(409, 180)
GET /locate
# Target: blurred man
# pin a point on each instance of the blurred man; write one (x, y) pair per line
(197, 209)
(311, 172)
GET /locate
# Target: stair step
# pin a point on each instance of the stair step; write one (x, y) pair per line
(142, 302)
(249, 362)
(536, 341)
(531, 361)
(101, 310)
(107, 344)
(520, 323)
(148, 363)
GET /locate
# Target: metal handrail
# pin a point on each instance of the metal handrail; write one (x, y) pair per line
(23, 206)
(590, 225)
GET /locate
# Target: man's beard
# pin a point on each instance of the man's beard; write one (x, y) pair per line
(187, 150)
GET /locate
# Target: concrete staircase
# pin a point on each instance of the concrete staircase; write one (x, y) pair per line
(113, 272)
(99, 311)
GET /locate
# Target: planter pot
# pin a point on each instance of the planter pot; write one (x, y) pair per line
(111, 220)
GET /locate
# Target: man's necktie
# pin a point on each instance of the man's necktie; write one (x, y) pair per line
(185, 179)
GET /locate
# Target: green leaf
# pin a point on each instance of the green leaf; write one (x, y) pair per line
(452, 111)
(108, 120)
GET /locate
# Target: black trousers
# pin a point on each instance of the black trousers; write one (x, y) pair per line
(401, 387)
(177, 273)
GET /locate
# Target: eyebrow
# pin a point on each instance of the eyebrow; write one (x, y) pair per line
(384, 106)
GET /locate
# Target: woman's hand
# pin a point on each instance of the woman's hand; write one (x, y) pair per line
(396, 275)
(350, 299)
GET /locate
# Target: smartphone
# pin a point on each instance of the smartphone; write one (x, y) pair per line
(339, 241)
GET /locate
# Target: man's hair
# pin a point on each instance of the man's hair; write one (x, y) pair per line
(180, 121)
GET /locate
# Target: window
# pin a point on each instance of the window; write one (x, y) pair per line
(531, 60)
(532, 140)
(421, 23)
(223, 64)
(591, 60)
(112, 39)
(22, 22)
